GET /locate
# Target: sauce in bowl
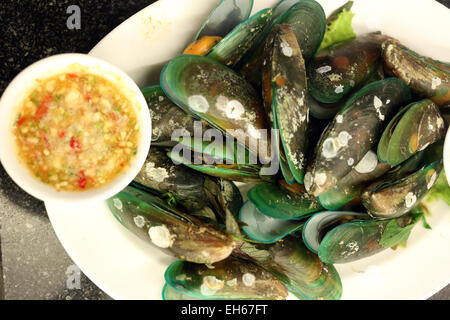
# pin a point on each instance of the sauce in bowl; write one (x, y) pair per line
(76, 131)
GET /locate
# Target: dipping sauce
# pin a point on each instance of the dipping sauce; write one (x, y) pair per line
(76, 131)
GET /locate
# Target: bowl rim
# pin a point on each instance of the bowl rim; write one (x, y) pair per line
(17, 89)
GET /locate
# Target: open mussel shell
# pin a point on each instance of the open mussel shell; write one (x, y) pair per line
(233, 279)
(225, 17)
(265, 229)
(286, 76)
(356, 240)
(350, 187)
(354, 131)
(320, 223)
(277, 202)
(233, 47)
(210, 91)
(166, 116)
(426, 77)
(336, 71)
(394, 195)
(413, 129)
(169, 229)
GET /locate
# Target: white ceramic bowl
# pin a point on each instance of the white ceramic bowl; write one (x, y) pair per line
(21, 86)
(447, 156)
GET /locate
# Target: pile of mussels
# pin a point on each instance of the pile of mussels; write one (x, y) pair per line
(361, 126)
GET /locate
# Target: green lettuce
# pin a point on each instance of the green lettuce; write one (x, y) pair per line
(440, 190)
(340, 29)
(395, 234)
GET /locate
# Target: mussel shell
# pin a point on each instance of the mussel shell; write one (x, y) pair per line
(356, 240)
(232, 48)
(350, 187)
(232, 278)
(354, 131)
(416, 127)
(225, 17)
(279, 203)
(308, 22)
(288, 257)
(299, 269)
(169, 229)
(320, 223)
(159, 173)
(234, 172)
(288, 90)
(323, 110)
(282, 6)
(336, 71)
(166, 116)
(391, 196)
(327, 287)
(169, 293)
(426, 77)
(335, 14)
(211, 91)
(265, 229)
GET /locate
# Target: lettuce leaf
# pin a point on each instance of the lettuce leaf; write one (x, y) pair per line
(394, 234)
(440, 190)
(339, 29)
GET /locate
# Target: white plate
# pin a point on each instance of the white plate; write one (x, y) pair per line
(127, 268)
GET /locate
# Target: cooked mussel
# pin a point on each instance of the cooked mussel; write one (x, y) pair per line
(229, 161)
(351, 186)
(414, 128)
(307, 20)
(405, 186)
(426, 77)
(208, 90)
(285, 91)
(170, 229)
(233, 47)
(167, 117)
(336, 71)
(263, 228)
(354, 131)
(232, 278)
(299, 269)
(342, 237)
(281, 202)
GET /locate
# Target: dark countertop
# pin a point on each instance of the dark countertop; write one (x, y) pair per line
(32, 260)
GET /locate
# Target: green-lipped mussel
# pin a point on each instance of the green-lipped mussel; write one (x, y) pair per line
(232, 279)
(413, 129)
(354, 131)
(426, 77)
(169, 229)
(342, 237)
(285, 90)
(336, 71)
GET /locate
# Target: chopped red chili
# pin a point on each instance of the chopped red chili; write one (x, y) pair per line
(75, 144)
(42, 109)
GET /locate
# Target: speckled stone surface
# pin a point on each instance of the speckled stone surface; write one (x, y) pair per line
(33, 262)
